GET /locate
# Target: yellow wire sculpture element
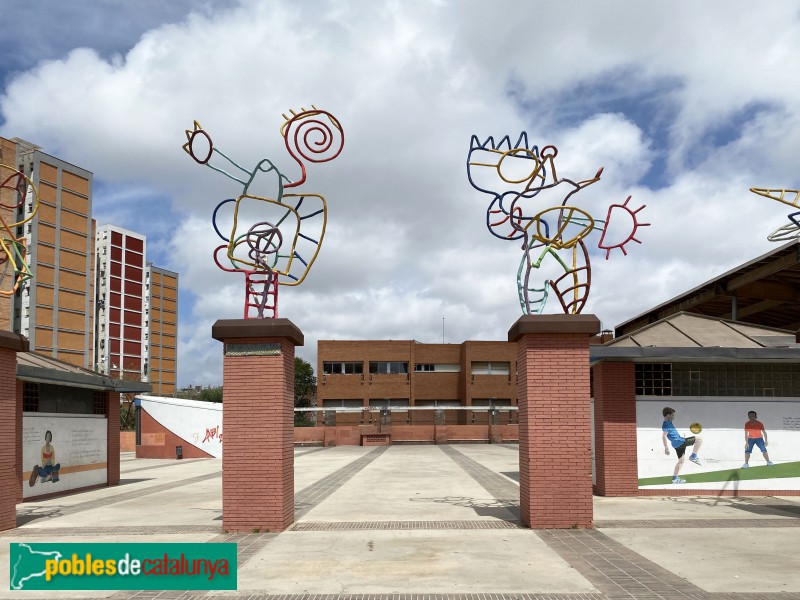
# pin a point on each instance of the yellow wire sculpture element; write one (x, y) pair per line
(520, 179)
(275, 236)
(791, 230)
(24, 199)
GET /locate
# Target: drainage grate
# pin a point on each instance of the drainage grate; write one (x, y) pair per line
(406, 525)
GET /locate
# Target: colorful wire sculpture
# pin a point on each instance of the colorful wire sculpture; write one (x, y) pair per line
(18, 198)
(791, 230)
(529, 202)
(275, 238)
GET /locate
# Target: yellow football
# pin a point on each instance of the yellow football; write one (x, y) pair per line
(695, 428)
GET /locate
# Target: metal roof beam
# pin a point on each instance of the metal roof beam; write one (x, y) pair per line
(770, 268)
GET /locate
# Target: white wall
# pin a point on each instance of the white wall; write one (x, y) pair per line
(199, 423)
(81, 448)
(723, 422)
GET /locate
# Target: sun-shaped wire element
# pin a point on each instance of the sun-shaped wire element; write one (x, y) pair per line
(275, 237)
(531, 203)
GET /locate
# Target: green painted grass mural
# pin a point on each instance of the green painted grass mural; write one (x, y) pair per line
(777, 471)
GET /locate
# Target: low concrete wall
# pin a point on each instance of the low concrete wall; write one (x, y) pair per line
(350, 435)
(468, 433)
(309, 435)
(127, 441)
(413, 433)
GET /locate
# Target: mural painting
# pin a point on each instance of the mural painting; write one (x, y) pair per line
(62, 452)
(732, 444)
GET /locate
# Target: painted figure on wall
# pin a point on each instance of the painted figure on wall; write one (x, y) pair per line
(672, 437)
(48, 470)
(754, 435)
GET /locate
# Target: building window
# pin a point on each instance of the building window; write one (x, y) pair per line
(100, 403)
(436, 368)
(30, 396)
(342, 404)
(342, 368)
(491, 368)
(653, 379)
(388, 403)
(388, 368)
(736, 379)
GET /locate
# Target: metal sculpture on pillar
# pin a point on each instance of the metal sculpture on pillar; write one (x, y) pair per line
(275, 236)
(19, 201)
(532, 204)
(791, 230)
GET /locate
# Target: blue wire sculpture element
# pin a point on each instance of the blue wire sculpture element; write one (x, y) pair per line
(274, 238)
(529, 202)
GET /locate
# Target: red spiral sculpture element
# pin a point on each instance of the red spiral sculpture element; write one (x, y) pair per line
(313, 136)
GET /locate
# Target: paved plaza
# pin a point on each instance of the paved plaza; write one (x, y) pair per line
(423, 522)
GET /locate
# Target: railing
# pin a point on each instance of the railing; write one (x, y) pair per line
(409, 415)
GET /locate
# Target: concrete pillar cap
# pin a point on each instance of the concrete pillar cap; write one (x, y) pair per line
(588, 325)
(248, 329)
(13, 341)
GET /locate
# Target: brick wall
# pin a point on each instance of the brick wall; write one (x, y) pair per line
(258, 457)
(415, 386)
(113, 460)
(159, 442)
(18, 444)
(127, 441)
(9, 473)
(554, 419)
(615, 429)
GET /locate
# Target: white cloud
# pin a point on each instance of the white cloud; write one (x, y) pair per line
(406, 241)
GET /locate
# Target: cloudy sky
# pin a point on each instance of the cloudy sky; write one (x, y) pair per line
(686, 105)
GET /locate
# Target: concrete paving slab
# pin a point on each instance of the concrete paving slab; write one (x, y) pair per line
(310, 467)
(739, 560)
(386, 562)
(500, 458)
(436, 520)
(683, 507)
(390, 489)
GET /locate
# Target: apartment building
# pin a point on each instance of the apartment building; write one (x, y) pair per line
(55, 310)
(406, 373)
(137, 312)
(122, 347)
(90, 300)
(161, 287)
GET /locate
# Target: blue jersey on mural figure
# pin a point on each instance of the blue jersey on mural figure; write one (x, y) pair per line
(674, 437)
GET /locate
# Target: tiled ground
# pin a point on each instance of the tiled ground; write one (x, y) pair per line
(613, 568)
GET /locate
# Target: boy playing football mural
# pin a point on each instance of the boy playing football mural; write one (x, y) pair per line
(754, 435)
(678, 442)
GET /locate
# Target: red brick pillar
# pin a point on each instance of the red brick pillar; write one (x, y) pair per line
(112, 434)
(10, 431)
(554, 419)
(615, 455)
(258, 423)
(20, 470)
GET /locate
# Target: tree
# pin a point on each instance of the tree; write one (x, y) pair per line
(305, 390)
(211, 394)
